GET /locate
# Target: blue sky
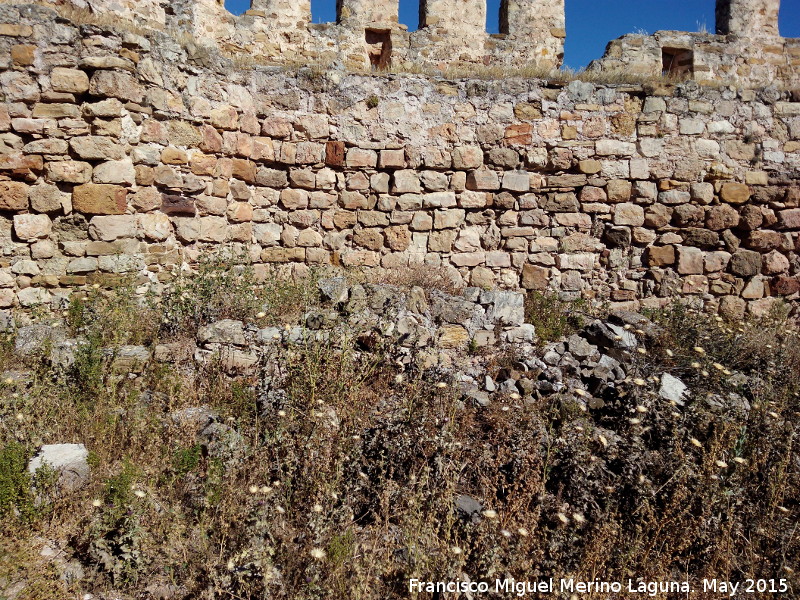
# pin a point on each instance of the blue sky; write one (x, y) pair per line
(591, 24)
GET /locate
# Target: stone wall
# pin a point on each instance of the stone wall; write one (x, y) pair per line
(125, 154)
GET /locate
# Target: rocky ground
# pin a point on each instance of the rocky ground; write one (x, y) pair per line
(365, 434)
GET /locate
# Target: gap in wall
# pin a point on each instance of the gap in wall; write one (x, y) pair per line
(493, 21)
(237, 7)
(410, 14)
(379, 46)
(677, 62)
(789, 18)
(323, 11)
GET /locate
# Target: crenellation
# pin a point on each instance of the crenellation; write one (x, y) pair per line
(536, 28)
(283, 13)
(748, 18)
(454, 18)
(747, 49)
(381, 14)
(535, 18)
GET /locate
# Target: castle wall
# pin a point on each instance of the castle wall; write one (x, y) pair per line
(748, 50)
(121, 155)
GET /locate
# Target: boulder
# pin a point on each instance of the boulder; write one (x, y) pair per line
(506, 307)
(70, 461)
(33, 338)
(226, 331)
(672, 389)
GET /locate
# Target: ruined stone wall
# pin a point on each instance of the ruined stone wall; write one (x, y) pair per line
(125, 154)
(747, 50)
(706, 58)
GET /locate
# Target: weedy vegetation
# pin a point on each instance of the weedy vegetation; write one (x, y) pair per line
(333, 471)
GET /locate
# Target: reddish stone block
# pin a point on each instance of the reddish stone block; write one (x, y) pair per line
(518, 135)
(785, 286)
(334, 154)
(177, 206)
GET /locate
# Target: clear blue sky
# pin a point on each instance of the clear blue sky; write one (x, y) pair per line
(591, 24)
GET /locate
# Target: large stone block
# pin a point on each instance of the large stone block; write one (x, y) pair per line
(467, 157)
(619, 190)
(116, 84)
(789, 219)
(765, 240)
(406, 182)
(628, 213)
(69, 171)
(734, 193)
(45, 198)
(398, 238)
(661, 256)
(785, 286)
(690, 261)
(155, 226)
(17, 162)
(535, 277)
(722, 217)
(99, 199)
(115, 171)
(360, 157)
(31, 227)
(71, 81)
(483, 180)
(13, 195)
(110, 228)
(746, 263)
(93, 147)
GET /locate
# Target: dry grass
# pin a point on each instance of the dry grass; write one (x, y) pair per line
(427, 277)
(333, 473)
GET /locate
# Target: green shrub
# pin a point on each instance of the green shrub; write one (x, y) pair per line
(87, 371)
(116, 317)
(223, 287)
(15, 481)
(186, 459)
(554, 318)
(118, 490)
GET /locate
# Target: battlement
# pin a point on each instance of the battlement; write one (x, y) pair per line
(747, 49)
